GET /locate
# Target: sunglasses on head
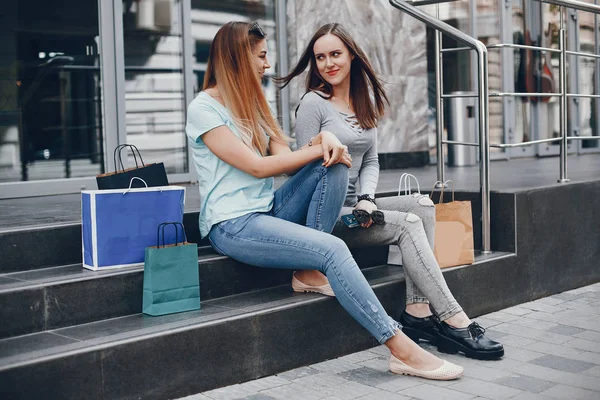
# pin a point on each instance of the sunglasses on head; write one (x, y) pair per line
(363, 217)
(257, 30)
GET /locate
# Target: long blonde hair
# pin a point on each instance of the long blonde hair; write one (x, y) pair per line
(230, 65)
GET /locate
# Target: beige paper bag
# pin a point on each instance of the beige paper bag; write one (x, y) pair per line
(453, 232)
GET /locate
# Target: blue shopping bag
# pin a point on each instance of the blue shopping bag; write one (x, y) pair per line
(171, 282)
(118, 225)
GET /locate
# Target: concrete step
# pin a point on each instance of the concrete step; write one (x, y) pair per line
(230, 340)
(55, 297)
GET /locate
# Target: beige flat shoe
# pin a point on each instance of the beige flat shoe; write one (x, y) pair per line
(302, 288)
(446, 372)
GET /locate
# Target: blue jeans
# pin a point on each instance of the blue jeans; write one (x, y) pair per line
(295, 235)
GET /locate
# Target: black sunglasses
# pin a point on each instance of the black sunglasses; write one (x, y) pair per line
(363, 217)
(257, 30)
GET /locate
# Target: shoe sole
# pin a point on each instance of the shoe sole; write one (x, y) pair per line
(449, 346)
(311, 291)
(415, 335)
(425, 377)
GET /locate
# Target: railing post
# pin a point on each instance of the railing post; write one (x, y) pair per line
(484, 146)
(439, 105)
(563, 99)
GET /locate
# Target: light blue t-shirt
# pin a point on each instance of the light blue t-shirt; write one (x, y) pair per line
(225, 191)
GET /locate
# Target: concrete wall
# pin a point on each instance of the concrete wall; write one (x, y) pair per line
(396, 46)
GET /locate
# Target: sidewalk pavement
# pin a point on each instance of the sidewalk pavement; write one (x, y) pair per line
(552, 348)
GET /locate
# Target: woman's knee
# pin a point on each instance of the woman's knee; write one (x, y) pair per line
(338, 171)
(423, 207)
(337, 252)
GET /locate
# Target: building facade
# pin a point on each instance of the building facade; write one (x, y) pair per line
(79, 77)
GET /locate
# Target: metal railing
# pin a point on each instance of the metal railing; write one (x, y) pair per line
(409, 7)
(482, 84)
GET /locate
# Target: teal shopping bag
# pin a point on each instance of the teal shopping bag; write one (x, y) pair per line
(171, 282)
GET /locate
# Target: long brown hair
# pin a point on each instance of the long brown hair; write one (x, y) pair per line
(362, 77)
(230, 65)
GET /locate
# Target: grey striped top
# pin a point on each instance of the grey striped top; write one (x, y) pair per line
(316, 114)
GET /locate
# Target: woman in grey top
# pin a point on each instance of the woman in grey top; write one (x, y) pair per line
(345, 97)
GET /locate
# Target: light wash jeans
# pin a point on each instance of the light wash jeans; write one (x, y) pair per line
(295, 235)
(410, 224)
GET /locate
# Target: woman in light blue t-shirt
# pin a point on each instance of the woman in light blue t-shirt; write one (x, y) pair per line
(237, 150)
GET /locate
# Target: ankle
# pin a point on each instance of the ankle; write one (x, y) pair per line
(459, 320)
(418, 310)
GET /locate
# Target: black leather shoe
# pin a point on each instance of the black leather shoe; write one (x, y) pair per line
(470, 340)
(419, 328)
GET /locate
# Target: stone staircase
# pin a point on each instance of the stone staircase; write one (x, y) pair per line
(66, 332)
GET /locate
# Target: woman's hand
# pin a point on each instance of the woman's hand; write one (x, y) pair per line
(333, 150)
(367, 206)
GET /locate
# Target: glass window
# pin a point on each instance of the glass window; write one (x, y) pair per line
(154, 98)
(50, 111)
(209, 15)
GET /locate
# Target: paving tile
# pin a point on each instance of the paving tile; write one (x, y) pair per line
(549, 348)
(258, 396)
(298, 373)
(517, 341)
(368, 376)
(504, 364)
(321, 381)
(531, 396)
(535, 324)
(485, 373)
(553, 301)
(502, 316)
(264, 383)
(228, 393)
(335, 366)
(378, 364)
(350, 390)
(565, 378)
(525, 383)
(294, 391)
(360, 356)
(593, 371)
(568, 392)
(489, 390)
(531, 333)
(517, 310)
(401, 383)
(562, 364)
(428, 392)
(198, 396)
(518, 354)
(565, 330)
(583, 344)
(565, 296)
(532, 305)
(381, 395)
(542, 316)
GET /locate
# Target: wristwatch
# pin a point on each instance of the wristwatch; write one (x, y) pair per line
(366, 197)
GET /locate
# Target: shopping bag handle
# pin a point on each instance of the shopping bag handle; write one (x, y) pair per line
(406, 178)
(134, 149)
(131, 183)
(443, 185)
(163, 226)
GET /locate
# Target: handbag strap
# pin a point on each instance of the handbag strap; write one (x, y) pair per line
(163, 226)
(443, 185)
(134, 150)
(406, 179)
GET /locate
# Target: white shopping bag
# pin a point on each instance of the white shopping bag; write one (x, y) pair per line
(118, 224)
(404, 189)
